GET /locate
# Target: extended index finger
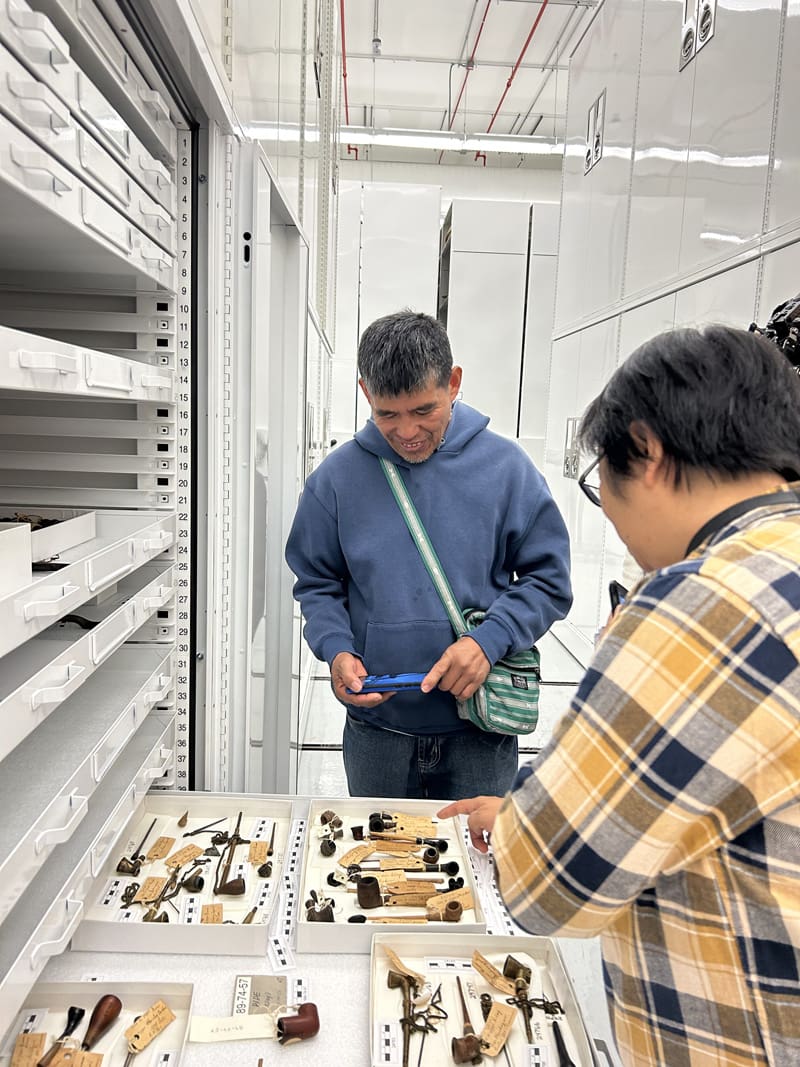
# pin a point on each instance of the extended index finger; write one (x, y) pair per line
(434, 675)
(459, 807)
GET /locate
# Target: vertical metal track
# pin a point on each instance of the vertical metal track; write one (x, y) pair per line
(324, 174)
(227, 37)
(183, 460)
(301, 148)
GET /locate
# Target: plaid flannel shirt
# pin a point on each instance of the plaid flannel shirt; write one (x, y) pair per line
(665, 813)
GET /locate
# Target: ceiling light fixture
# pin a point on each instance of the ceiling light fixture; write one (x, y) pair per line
(436, 140)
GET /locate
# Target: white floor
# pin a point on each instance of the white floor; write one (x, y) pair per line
(321, 773)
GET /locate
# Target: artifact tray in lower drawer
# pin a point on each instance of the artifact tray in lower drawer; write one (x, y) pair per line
(443, 961)
(45, 1013)
(332, 913)
(190, 917)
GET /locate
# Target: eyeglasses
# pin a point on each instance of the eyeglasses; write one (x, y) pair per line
(592, 491)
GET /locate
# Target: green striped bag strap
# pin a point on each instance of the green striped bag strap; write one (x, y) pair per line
(423, 543)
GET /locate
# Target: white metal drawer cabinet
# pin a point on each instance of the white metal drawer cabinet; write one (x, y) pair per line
(39, 364)
(48, 781)
(50, 215)
(45, 917)
(37, 45)
(39, 113)
(39, 676)
(102, 56)
(123, 543)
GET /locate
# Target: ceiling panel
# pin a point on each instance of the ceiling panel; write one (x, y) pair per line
(422, 58)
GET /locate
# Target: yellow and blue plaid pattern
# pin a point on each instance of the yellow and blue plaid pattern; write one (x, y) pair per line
(664, 815)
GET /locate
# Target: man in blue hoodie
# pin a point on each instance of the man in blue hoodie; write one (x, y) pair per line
(369, 604)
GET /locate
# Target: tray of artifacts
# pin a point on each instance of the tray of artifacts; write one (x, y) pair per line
(92, 1024)
(382, 864)
(195, 873)
(52, 530)
(446, 998)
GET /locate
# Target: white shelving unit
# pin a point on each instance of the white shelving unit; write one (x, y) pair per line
(93, 242)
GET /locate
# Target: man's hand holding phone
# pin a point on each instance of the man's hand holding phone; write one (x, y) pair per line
(347, 672)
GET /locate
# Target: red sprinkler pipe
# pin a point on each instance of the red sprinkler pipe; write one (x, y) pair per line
(513, 75)
(470, 68)
(351, 148)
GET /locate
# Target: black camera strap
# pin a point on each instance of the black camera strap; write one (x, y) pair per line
(718, 522)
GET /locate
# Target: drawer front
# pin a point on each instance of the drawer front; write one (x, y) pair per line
(107, 638)
(110, 565)
(101, 54)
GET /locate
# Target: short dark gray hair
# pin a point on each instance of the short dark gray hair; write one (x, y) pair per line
(403, 353)
(719, 400)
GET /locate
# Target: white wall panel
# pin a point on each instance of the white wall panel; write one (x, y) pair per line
(484, 323)
(576, 197)
(349, 252)
(780, 280)
(400, 249)
(538, 330)
(660, 157)
(784, 203)
(640, 324)
(490, 226)
(732, 110)
(728, 298)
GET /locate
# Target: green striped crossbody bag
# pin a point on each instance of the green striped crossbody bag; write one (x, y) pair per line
(508, 701)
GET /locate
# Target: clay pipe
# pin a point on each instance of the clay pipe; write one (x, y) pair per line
(134, 864)
(74, 1016)
(298, 1027)
(466, 1049)
(105, 1014)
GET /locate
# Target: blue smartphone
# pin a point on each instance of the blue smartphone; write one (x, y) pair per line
(387, 683)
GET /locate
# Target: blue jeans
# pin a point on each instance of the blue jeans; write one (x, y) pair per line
(380, 763)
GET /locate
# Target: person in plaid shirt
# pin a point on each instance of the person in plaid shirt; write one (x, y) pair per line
(664, 815)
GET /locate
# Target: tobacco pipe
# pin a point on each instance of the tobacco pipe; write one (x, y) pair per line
(105, 1014)
(299, 1027)
(74, 1016)
(396, 980)
(224, 885)
(134, 864)
(466, 1049)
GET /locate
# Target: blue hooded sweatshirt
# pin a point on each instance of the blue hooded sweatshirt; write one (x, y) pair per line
(364, 589)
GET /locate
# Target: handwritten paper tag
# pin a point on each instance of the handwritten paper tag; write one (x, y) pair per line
(148, 1026)
(498, 1027)
(257, 852)
(232, 1028)
(398, 965)
(159, 849)
(150, 890)
(211, 913)
(492, 975)
(183, 856)
(28, 1050)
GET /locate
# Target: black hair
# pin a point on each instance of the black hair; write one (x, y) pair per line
(719, 400)
(403, 353)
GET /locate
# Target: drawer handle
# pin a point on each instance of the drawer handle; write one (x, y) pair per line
(52, 948)
(112, 576)
(54, 694)
(157, 600)
(31, 23)
(57, 117)
(154, 101)
(151, 211)
(112, 646)
(153, 172)
(156, 696)
(40, 171)
(37, 609)
(47, 361)
(156, 381)
(165, 754)
(161, 541)
(99, 768)
(58, 834)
